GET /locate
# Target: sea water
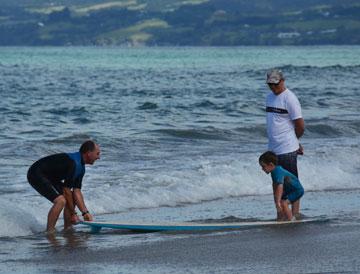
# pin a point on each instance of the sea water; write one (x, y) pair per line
(180, 129)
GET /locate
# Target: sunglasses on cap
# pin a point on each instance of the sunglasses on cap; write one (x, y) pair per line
(273, 84)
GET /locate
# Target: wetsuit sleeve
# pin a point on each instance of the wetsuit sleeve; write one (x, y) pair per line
(78, 182)
(69, 181)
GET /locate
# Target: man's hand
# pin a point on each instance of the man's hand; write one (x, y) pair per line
(88, 217)
(300, 151)
(75, 219)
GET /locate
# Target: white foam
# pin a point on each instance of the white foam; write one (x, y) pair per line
(209, 181)
(16, 221)
(205, 178)
(220, 178)
(330, 170)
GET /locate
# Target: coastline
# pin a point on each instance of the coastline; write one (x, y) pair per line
(329, 247)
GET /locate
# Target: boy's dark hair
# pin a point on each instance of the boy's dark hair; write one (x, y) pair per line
(87, 146)
(268, 157)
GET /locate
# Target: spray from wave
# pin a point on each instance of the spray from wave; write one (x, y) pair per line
(16, 221)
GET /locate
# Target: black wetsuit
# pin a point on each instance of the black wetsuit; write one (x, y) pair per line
(51, 174)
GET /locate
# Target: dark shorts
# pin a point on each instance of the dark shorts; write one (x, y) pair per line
(293, 196)
(289, 162)
(50, 190)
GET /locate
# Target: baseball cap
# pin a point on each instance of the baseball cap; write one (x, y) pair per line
(274, 76)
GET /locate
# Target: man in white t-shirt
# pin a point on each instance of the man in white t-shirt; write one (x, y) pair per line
(285, 124)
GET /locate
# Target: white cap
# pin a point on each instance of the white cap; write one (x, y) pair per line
(274, 76)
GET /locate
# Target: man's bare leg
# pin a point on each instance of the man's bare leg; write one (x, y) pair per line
(67, 218)
(59, 204)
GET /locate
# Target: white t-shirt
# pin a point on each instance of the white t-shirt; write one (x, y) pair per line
(281, 110)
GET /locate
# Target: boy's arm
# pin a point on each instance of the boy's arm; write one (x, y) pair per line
(278, 191)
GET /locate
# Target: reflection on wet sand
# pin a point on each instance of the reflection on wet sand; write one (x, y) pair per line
(69, 238)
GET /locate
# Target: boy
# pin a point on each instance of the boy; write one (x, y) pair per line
(286, 187)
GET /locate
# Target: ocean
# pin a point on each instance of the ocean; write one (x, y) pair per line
(180, 132)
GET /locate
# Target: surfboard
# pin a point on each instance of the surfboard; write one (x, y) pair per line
(190, 226)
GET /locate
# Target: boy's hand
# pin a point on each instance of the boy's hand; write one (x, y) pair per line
(278, 207)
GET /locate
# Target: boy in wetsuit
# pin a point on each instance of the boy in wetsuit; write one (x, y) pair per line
(287, 188)
(59, 177)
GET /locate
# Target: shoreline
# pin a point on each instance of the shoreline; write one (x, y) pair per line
(330, 247)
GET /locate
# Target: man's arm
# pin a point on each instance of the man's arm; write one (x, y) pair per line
(299, 125)
(79, 200)
(70, 215)
(69, 200)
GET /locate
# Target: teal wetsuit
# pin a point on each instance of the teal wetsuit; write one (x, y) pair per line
(293, 190)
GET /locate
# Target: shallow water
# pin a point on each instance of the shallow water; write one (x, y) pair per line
(180, 128)
(41, 253)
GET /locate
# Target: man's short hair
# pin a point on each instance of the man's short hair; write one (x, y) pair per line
(87, 146)
(268, 157)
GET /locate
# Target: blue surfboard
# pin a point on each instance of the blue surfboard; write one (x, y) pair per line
(190, 226)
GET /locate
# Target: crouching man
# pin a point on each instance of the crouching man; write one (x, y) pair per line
(58, 178)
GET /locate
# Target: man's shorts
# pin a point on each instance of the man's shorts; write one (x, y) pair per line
(293, 196)
(50, 190)
(289, 162)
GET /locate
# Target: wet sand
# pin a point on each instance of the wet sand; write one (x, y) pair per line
(331, 247)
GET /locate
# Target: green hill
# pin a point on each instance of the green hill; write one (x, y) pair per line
(179, 22)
